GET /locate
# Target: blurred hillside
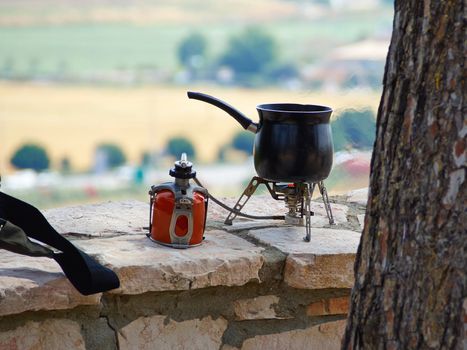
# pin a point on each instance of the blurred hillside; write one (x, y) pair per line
(134, 42)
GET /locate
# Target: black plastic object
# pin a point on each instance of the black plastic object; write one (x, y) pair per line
(15, 240)
(183, 169)
(293, 142)
(20, 220)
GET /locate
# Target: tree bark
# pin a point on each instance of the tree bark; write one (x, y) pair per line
(410, 270)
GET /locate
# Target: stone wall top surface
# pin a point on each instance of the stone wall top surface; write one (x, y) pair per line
(114, 233)
(107, 219)
(32, 284)
(325, 262)
(143, 266)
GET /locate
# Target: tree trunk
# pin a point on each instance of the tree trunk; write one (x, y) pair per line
(410, 271)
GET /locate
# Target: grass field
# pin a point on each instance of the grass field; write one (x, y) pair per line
(85, 39)
(71, 120)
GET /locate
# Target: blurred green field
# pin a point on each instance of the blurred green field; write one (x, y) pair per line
(80, 49)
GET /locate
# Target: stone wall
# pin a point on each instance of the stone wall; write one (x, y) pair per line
(253, 285)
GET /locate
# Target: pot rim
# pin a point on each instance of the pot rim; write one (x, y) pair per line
(294, 108)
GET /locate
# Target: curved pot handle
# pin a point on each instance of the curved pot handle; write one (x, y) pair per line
(244, 121)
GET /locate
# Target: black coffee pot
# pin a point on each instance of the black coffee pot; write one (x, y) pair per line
(293, 142)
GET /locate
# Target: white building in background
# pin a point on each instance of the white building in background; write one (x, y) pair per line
(358, 65)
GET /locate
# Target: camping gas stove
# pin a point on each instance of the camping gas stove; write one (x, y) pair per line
(293, 143)
(296, 196)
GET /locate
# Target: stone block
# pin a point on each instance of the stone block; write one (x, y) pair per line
(256, 308)
(317, 308)
(319, 272)
(320, 219)
(361, 220)
(256, 205)
(32, 284)
(101, 220)
(339, 306)
(325, 262)
(264, 205)
(45, 335)
(156, 332)
(324, 336)
(359, 196)
(333, 306)
(229, 347)
(142, 265)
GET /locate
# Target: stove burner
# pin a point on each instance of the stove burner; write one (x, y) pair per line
(297, 198)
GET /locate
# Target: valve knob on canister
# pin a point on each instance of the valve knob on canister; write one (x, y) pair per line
(177, 209)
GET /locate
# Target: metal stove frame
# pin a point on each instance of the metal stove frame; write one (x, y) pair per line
(297, 197)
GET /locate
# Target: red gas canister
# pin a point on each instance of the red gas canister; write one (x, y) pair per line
(178, 210)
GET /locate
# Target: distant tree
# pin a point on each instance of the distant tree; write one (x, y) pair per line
(30, 156)
(111, 154)
(282, 71)
(191, 48)
(221, 153)
(65, 165)
(8, 67)
(146, 159)
(251, 52)
(178, 145)
(243, 141)
(354, 129)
